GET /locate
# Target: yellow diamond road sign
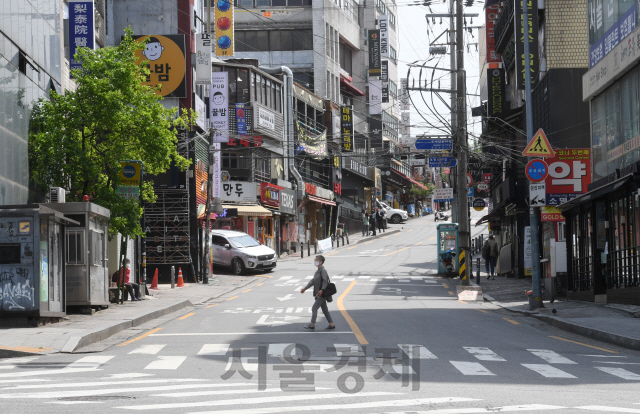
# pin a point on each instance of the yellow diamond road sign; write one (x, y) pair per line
(539, 146)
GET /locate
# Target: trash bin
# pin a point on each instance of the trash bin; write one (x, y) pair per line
(32, 270)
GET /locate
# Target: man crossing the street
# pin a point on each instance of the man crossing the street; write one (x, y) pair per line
(319, 282)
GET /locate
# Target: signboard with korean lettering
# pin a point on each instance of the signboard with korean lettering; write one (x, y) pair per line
(270, 194)
(443, 194)
(375, 60)
(346, 127)
(375, 132)
(384, 78)
(569, 175)
(224, 28)
(497, 93)
(602, 43)
(441, 162)
(492, 8)
(219, 106)
(404, 95)
(239, 191)
(165, 56)
(383, 24)
(203, 59)
(81, 29)
(241, 119)
(531, 37)
(130, 174)
(201, 111)
(217, 170)
(434, 144)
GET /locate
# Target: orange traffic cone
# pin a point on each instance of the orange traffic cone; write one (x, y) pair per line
(154, 282)
(180, 279)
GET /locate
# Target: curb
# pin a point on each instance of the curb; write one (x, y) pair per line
(101, 333)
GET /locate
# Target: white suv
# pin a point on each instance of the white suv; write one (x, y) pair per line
(392, 214)
(240, 251)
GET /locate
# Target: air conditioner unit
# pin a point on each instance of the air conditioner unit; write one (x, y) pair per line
(57, 195)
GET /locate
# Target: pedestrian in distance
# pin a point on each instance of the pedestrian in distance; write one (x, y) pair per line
(490, 255)
(372, 223)
(365, 223)
(132, 288)
(319, 282)
(380, 220)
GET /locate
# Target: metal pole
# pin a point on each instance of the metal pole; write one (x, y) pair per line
(533, 212)
(454, 116)
(478, 271)
(173, 277)
(461, 147)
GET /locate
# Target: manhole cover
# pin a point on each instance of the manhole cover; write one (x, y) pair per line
(97, 398)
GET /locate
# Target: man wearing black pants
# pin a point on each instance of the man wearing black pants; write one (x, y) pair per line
(319, 282)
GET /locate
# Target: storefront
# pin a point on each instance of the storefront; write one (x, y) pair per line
(288, 229)
(316, 208)
(357, 186)
(269, 228)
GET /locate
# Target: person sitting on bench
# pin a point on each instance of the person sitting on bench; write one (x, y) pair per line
(131, 287)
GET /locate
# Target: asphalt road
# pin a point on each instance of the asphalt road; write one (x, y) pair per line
(403, 344)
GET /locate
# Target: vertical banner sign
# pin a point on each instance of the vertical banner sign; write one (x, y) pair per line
(375, 97)
(375, 128)
(216, 173)
(531, 37)
(528, 257)
(383, 24)
(404, 94)
(218, 106)
(491, 14)
(384, 77)
(224, 28)
(81, 28)
(375, 60)
(495, 79)
(405, 128)
(346, 126)
(241, 120)
(203, 59)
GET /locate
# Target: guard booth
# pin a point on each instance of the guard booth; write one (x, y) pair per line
(32, 270)
(87, 256)
(447, 239)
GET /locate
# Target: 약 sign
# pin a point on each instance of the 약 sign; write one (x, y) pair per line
(569, 175)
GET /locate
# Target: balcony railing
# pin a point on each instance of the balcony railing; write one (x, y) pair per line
(504, 26)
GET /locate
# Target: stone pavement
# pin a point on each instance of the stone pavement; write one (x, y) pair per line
(612, 323)
(77, 330)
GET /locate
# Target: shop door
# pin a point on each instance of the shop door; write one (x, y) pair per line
(56, 272)
(320, 224)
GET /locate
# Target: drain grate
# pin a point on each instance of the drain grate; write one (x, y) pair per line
(97, 398)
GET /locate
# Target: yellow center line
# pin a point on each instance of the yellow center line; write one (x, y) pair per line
(382, 238)
(511, 321)
(451, 293)
(389, 254)
(444, 285)
(262, 276)
(410, 229)
(419, 243)
(232, 298)
(331, 254)
(144, 335)
(580, 343)
(350, 321)
(369, 242)
(432, 238)
(352, 247)
(245, 291)
(260, 284)
(482, 310)
(186, 316)
(211, 306)
(461, 301)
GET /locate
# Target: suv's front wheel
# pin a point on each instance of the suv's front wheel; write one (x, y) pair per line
(237, 266)
(396, 219)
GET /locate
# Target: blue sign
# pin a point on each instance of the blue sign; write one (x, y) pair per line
(434, 144)
(81, 29)
(470, 192)
(129, 171)
(241, 121)
(444, 162)
(616, 33)
(537, 170)
(559, 198)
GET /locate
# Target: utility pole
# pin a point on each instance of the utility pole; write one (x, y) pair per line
(461, 147)
(452, 63)
(211, 159)
(533, 212)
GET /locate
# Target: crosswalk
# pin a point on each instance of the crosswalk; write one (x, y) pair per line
(480, 361)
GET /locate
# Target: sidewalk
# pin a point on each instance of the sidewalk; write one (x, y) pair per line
(612, 323)
(76, 331)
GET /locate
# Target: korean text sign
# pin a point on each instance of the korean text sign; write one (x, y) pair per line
(219, 106)
(81, 28)
(165, 56)
(347, 129)
(569, 175)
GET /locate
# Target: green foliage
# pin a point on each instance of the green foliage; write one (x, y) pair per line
(421, 192)
(77, 139)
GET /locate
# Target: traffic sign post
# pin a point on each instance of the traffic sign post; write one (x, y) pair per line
(434, 144)
(536, 171)
(537, 194)
(442, 162)
(470, 192)
(478, 204)
(469, 180)
(539, 146)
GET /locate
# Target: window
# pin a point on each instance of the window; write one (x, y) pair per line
(262, 40)
(258, 89)
(274, 40)
(346, 58)
(233, 87)
(328, 80)
(264, 99)
(75, 247)
(393, 89)
(97, 241)
(243, 85)
(244, 3)
(382, 8)
(234, 160)
(263, 3)
(392, 20)
(393, 55)
(267, 93)
(278, 98)
(9, 254)
(305, 79)
(327, 36)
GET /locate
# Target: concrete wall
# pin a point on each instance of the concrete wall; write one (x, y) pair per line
(144, 17)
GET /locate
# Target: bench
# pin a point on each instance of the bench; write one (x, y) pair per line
(114, 297)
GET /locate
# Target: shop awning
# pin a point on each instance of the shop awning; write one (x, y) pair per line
(322, 200)
(201, 212)
(348, 86)
(249, 210)
(598, 192)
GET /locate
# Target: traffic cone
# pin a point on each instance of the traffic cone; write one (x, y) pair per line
(154, 282)
(180, 279)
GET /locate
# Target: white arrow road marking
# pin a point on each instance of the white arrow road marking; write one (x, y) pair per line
(289, 296)
(277, 320)
(214, 349)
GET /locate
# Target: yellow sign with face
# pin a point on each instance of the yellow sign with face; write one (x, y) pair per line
(130, 173)
(165, 56)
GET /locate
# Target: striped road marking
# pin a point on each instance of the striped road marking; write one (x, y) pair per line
(550, 356)
(548, 371)
(483, 354)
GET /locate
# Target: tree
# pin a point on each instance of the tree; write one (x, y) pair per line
(77, 139)
(421, 192)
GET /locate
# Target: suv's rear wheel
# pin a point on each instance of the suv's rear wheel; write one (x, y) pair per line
(396, 219)
(237, 266)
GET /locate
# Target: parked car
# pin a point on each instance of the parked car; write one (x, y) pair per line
(392, 214)
(240, 252)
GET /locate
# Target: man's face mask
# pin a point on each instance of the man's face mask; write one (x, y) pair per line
(316, 263)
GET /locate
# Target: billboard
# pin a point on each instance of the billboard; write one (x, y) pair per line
(346, 128)
(375, 59)
(219, 106)
(81, 29)
(491, 14)
(532, 38)
(165, 55)
(497, 93)
(224, 29)
(203, 59)
(569, 175)
(383, 24)
(375, 97)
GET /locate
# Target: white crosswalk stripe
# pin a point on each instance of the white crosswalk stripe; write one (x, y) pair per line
(550, 356)
(471, 368)
(278, 350)
(89, 362)
(166, 362)
(504, 409)
(348, 349)
(11, 363)
(620, 373)
(286, 277)
(601, 408)
(483, 354)
(147, 349)
(548, 371)
(214, 349)
(416, 351)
